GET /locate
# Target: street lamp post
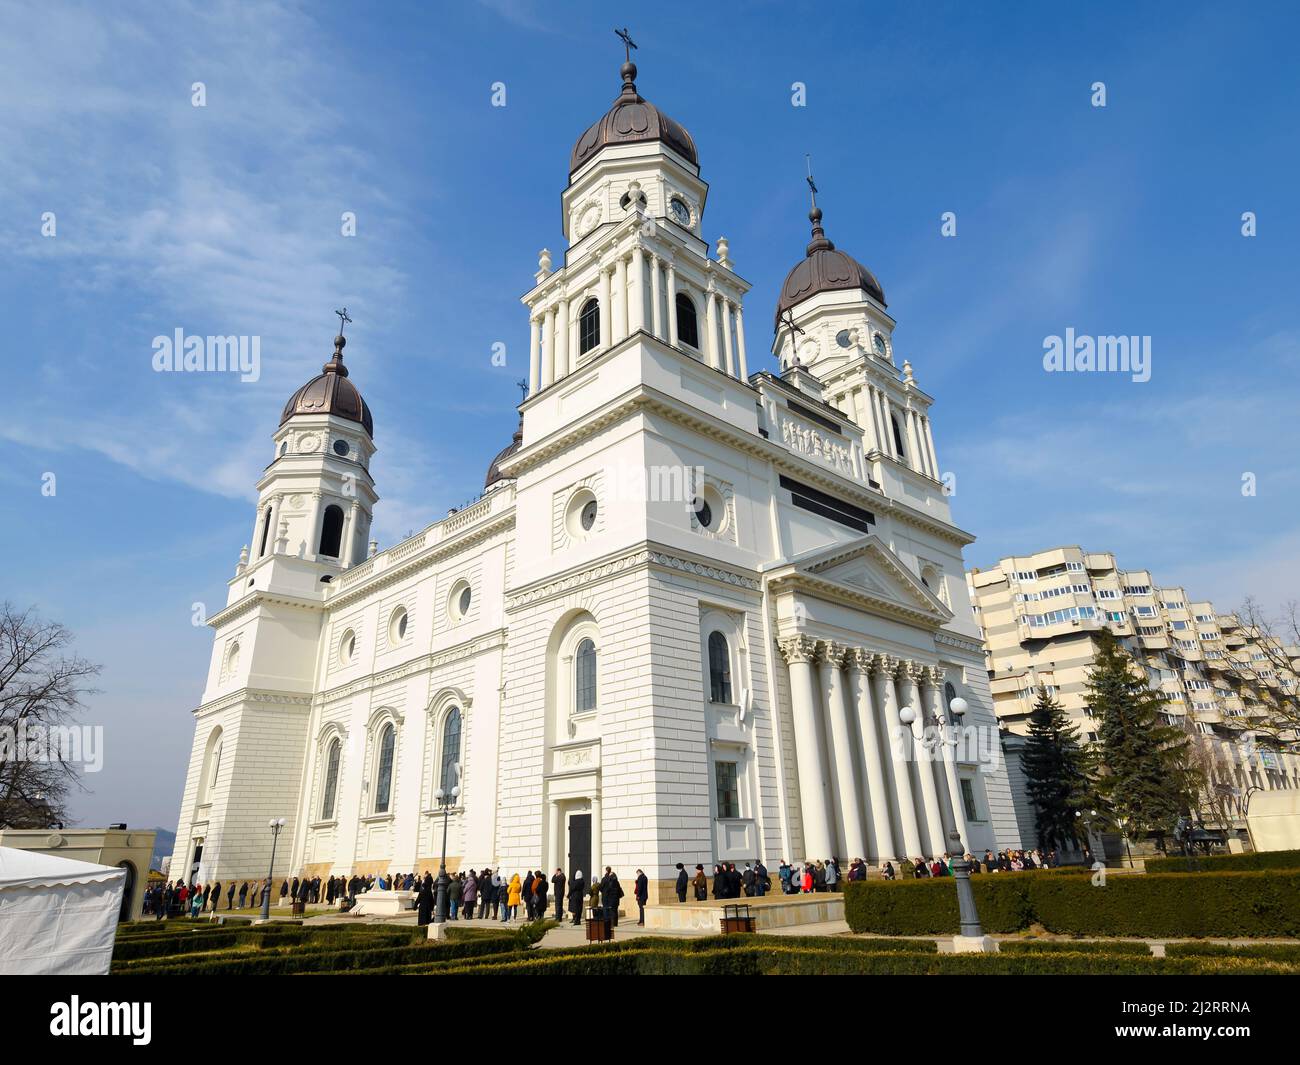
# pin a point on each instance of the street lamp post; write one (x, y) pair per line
(276, 824)
(446, 800)
(968, 915)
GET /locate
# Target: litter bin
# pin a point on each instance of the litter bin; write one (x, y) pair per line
(298, 908)
(736, 919)
(599, 927)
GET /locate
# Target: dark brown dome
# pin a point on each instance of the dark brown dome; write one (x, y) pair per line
(494, 473)
(331, 393)
(632, 120)
(825, 270)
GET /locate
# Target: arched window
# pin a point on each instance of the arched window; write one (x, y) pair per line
(447, 777)
(898, 436)
(266, 532)
(719, 669)
(584, 677)
(332, 757)
(331, 531)
(688, 329)
(384, 776)
(212, 766)
(589, 326)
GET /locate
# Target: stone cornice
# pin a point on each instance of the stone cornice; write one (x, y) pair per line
(255, 599)
(253, 695)
(852, 595)
(643, 555)
(419, 561)
(648, 399)
(422, 664)
(961, 643)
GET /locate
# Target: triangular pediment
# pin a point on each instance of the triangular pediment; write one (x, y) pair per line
(867, 565)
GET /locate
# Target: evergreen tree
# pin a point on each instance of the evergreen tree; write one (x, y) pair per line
(1143, 758)
(1058, 771)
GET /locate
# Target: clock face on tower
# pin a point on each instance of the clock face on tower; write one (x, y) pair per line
(680, 212)
(878, 342)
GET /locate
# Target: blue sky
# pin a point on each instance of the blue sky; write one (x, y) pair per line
(225, 220)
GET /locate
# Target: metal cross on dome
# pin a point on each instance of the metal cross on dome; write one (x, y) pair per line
(811, 184)
(787, 320)
(343, 318)
(628, 43)
(522, 385)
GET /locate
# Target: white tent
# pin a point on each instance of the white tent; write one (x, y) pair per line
(57, 916)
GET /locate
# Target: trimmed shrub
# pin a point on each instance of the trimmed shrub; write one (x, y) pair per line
(1227, 863)
(1283, 952)
(1071, 946)
(1165, 904)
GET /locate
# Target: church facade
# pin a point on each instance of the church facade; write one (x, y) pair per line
(699, 614)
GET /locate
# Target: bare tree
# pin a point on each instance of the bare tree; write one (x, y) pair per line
(41, 688)
(1269, 664)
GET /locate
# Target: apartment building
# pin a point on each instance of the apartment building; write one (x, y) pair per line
(1040, 615)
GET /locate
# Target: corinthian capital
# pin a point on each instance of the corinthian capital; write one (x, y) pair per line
(861, 659)
(916, 671)
(798, 649)
(886, 665)
(833, 653)
(935, 676)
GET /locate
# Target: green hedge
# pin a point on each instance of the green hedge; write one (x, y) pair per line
(1283, 952)
(1071, 946)
(640, 958)
(1161, 904)
(1228, 863)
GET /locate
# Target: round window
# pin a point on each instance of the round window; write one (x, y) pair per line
(397, 625)
(458, 602)
(581, 514)
(341, 447)
(843, 339)
(348, 646)
(463, 601)
(703, 512)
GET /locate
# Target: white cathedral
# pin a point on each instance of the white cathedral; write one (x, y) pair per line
(699, 614)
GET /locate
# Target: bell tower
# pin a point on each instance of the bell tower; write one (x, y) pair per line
(316, 498)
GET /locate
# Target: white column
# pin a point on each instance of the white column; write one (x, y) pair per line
(844, 773)
(935, 707)
(656, 312)
(711, 327)
(269, 527)
(877, 418)
(929, 440)
(597, 859)
(620, 296)
(909, 692)
(548, 348)
(672, 303)
(726, 337)
(918, 460)
(887, 423)
(350, 533)
(740, 342)
(313, 528)
(534, 355)
(554, 842)
(814, 794)
(606, 310)
(873, 763)
(562, 339)
(636, 295)
(900, 747)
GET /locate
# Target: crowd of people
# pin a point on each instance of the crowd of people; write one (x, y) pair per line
(491, 895)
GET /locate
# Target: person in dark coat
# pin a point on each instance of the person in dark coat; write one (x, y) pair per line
(216, 896)
(747, 878)
(577, 893)
(641, 892)
(682, 881)
(243, 893)
(424, 901)
(557, 885)
(539, 895)
(701, 883)
(230, 896)
(610, 893)
(719, 882)
(526, 893)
